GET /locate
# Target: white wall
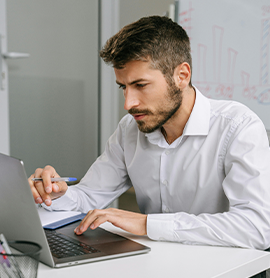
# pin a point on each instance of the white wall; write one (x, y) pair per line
(54, 92)
(4, 111)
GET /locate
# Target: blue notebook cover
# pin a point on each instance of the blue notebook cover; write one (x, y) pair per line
(64, 222)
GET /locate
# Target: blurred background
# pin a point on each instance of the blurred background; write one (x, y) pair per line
(60, 105)
(58, 109)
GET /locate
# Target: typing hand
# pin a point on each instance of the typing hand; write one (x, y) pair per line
(45, 190)
(132, 222)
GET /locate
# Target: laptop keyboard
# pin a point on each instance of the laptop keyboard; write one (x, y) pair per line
(64, 247)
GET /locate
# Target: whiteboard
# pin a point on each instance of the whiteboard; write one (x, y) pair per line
(230, 45)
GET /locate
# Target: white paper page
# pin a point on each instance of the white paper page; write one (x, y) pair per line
(48, 217)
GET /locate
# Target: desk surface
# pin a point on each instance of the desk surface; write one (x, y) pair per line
(167, 259)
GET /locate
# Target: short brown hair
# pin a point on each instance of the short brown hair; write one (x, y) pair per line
(156, 39)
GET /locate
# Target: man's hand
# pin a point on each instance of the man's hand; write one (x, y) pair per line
(132, 222)
(45, 190)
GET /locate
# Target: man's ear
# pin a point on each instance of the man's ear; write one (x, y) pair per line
(182, 75)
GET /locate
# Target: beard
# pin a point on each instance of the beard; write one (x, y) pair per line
(163, 113)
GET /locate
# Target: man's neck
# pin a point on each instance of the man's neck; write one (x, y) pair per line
(174, 128)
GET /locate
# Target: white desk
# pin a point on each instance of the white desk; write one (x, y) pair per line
(168, 259)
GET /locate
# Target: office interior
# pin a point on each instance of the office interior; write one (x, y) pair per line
(54, 103)
(58, 113)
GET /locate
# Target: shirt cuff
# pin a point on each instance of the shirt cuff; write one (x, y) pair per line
(160, 226)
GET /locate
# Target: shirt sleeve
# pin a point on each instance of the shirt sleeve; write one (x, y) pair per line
(246, 162)
(105, 181)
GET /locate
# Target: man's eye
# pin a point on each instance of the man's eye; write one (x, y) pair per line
(141, 85)
(123, 87)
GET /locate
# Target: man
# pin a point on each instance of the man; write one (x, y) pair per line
(200, 168)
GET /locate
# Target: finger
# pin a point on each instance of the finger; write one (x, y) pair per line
(45, 197)
(38, 188)
(35, 193)
(46, 175)
(79, 229)
(55, 187)
(91, 216)
(99, 220)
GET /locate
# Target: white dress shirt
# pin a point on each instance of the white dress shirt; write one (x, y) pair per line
(210, 186)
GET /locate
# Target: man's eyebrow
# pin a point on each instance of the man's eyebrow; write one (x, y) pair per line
(131, 83)
(118, 83)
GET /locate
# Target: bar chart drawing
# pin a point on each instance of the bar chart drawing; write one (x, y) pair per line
(230, 45)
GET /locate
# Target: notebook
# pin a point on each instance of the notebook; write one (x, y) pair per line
(19, 220)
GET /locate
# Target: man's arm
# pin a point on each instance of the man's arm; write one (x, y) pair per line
(106, 180)
(246, 164)
(129, 221)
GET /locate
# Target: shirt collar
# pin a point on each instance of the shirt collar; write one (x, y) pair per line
(197, 124)
(199, 120)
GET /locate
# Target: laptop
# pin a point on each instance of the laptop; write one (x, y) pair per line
(19, 220)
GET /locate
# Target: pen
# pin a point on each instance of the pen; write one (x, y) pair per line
(66, 179)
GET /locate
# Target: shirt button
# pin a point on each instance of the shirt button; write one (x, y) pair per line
(166, 210)
(165, 182)
(167, 152)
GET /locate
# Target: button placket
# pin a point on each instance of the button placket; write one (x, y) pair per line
(164, 179)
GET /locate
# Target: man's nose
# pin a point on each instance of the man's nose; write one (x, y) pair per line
(131, 99)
